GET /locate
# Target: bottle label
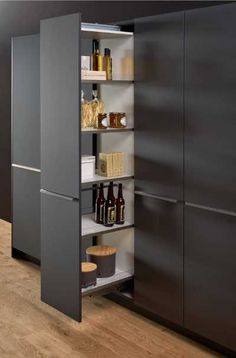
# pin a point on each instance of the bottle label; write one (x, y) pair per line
(123, 121)
(111, 215)
(104, 122)
(121, 213)
(99, 214)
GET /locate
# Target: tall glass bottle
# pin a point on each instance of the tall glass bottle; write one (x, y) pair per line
(107, 63)
(120, 207)
(109, 209)
(96, 58)
(99, 207)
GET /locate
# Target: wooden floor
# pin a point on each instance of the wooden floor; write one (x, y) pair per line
(30, 328)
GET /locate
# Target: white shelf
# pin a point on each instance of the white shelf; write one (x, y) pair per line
(100, 179)
(99, 34)
(103, 283)
(91, 228)
(108, 82)
(108, 130)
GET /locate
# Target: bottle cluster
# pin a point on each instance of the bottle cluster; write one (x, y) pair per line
(110, 211)
(101, 63)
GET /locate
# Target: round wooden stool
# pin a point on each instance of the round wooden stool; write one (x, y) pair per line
(88, 274)
(105, 259)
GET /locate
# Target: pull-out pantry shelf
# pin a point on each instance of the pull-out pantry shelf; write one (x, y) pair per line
(91, 228)
(108, 282)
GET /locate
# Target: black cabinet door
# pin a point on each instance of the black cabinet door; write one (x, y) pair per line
(209, 275)
(159, 42)
(60, 104)
(25, 101)
(210, 111)
(60, 254)
(26, 211)
(158, 279)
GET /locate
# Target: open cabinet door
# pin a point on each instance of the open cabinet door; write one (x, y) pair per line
(60, 163)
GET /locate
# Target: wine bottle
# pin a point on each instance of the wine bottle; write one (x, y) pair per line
(99, 207)
(109, 209)
(107, 63)
(96, 58)
(120, 207)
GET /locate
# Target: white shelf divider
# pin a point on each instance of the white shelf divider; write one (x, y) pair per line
(99, 34)
(106, 282)
(91, 228)
(101, 179)
(108, 130)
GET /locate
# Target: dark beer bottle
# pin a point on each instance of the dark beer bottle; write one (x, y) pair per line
(109, 210)
(99, 208)
(120, 207)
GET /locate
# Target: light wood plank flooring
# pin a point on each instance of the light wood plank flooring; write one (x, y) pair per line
(30, 328)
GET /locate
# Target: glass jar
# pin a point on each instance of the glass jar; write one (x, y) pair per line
(112, 120)
(102, 122)
(121, 120)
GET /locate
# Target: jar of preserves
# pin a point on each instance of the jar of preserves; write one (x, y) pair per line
(121, 120)
(113, 120)
(102, 122)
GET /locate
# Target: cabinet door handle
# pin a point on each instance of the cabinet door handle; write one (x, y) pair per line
(169, 200)
(50, 193)
(208, 208)
(26, 168)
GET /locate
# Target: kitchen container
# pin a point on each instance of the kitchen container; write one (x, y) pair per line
(88, 274)
(87, 167)
(105, 259)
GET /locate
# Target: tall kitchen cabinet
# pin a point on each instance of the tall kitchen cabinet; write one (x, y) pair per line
(176, 247)
(63, 227)
(25, 146)
(210, 174)
(159, 59)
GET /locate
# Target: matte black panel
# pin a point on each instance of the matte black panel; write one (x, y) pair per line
(25, 101)
(60, 254)
(209, 275)
(60, 104)
(26, 212)
(158, 279)
(210, 107)
(159, 105)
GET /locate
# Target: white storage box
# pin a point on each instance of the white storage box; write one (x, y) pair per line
(87, 167)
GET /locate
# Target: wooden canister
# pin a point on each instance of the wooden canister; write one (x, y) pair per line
(105, 259)
(88, 274)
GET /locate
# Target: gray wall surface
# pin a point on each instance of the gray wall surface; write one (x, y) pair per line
(18, 18)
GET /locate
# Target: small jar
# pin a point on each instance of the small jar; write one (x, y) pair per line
(113, 120)
(121, 120)
(102, 121)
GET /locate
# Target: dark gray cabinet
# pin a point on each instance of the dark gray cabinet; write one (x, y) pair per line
(60, 163)
(210, 111)
(60, 254)
(209, 275)
(26, 145)
(25, 101)
(159, 56)
(159, 68)
(26, 212)
(60, 104)
(158, 280)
